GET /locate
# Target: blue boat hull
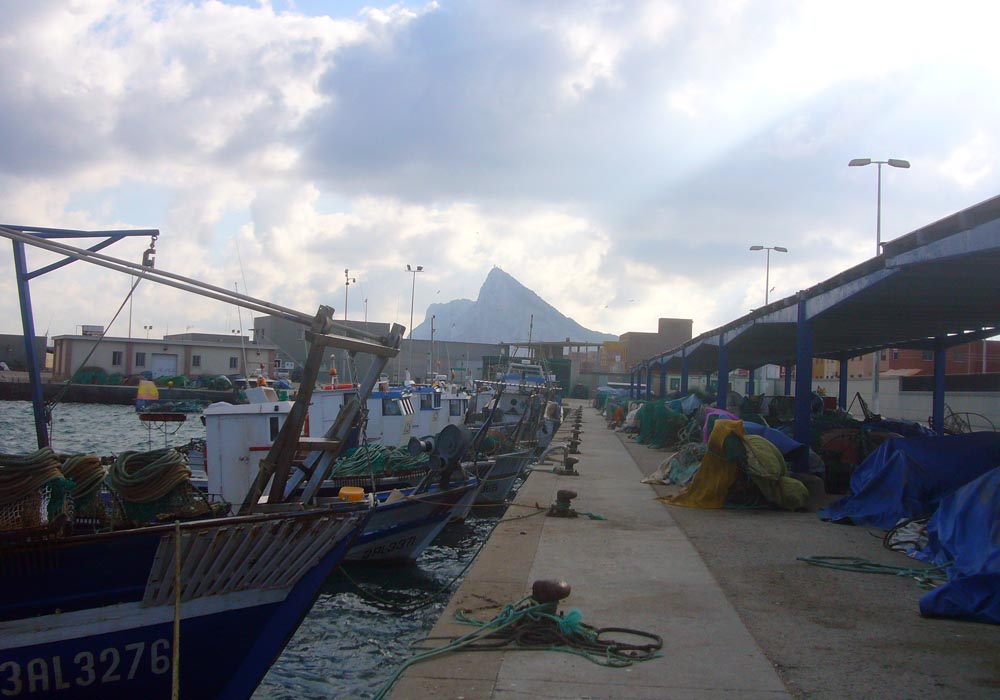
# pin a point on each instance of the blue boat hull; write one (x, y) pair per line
(124, 649)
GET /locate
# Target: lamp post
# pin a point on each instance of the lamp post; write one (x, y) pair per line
(895, 163)
(767, 267)
(413, 286)
(431, 373)
(348, 281)
(147, 329)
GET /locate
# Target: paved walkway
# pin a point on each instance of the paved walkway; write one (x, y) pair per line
(636, 569)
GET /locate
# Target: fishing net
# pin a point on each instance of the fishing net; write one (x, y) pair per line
(33, 492)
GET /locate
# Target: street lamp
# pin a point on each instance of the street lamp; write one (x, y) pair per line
(413, 286)
(433, 366)
(895, 163)
(348, 281)
(767, 268)
(147, 329)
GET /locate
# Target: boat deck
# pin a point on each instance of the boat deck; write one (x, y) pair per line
(740, 617)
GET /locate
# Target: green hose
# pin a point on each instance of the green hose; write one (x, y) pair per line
(927, 577)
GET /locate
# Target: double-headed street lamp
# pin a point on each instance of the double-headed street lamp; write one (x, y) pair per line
(895, 163)
(348, 281)
(413, 271)
(767, 267)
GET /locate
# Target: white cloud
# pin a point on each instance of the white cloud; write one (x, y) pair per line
(971, 162)
(598, 151)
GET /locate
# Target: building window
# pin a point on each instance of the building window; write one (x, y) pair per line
(140, 359)
(895, 354)
(675, 384)
(234, 362)
(882, 354)
(116, 358)
(196, 360)
(961, 357)
(927, 355)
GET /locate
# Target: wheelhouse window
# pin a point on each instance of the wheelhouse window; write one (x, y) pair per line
(391, 407)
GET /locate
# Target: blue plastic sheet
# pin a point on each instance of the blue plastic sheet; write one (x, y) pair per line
(908, 477)
(965, 531)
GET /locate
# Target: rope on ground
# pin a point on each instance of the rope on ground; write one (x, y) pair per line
(531, 626)
(926, 577)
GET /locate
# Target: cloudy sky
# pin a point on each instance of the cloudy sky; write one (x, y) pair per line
(618, 158)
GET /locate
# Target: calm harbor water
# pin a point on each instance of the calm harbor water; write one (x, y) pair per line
(349, 644)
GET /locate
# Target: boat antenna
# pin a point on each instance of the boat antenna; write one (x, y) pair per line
(239, 317)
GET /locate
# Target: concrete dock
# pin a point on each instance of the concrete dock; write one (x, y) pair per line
(740, 617)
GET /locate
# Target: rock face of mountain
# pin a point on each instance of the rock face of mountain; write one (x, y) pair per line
(503, 313)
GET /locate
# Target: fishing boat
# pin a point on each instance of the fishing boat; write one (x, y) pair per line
(428, 416)
(530, 401)
(413, 505)
(130, 603)
(388, 420)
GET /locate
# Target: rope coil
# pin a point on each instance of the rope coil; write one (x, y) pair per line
(143, 477)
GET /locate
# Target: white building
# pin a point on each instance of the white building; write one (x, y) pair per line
(189, 354)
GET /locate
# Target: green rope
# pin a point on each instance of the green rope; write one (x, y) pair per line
(143, 477)
(926, 577)
(531, 626)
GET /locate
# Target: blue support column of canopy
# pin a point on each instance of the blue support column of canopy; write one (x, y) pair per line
(631, 383)
(750, 386)
(722, 388)
(663, 379)
(842, 392)
(803, 382)
(937, 402)
(649, 382)
(684, 371)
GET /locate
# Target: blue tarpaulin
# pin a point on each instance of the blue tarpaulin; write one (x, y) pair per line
(965, 531)
(908, 477)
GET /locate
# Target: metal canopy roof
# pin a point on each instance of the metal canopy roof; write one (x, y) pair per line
(939, 282)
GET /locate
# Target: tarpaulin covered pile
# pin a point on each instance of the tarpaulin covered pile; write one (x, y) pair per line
(659, 426)
(907, 477)
(965, 532)
(735, 460)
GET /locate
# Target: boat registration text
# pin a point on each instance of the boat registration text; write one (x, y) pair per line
(110, 665)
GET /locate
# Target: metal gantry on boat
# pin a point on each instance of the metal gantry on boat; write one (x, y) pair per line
(123, 603)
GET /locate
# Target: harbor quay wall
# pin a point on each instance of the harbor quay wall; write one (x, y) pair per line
(106, 394)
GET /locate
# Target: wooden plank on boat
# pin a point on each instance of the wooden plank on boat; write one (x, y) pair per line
(319, 444)
(151, 417)
(351, 344)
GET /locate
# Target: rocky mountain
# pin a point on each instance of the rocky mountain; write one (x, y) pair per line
(503, 313)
